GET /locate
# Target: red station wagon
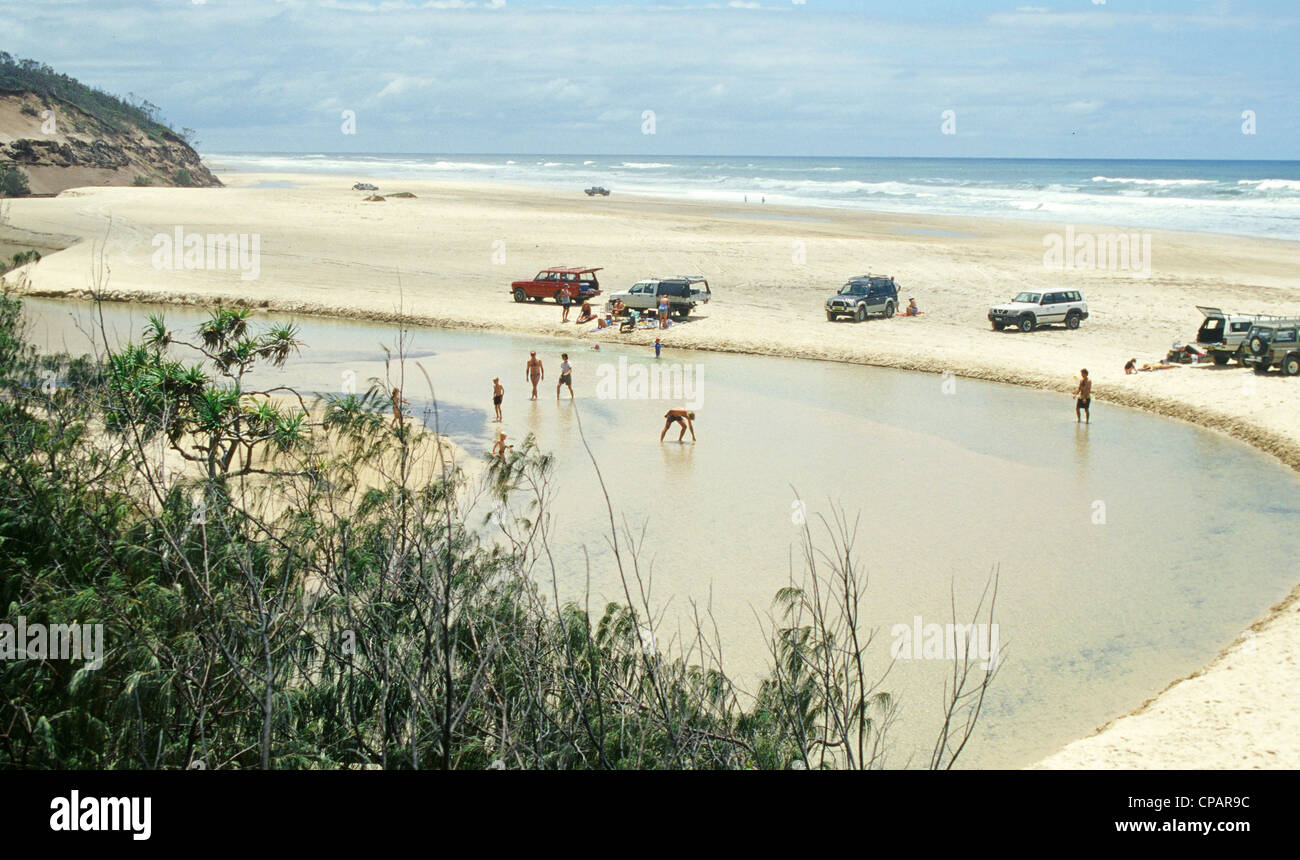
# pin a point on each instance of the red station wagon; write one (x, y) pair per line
(581, 285)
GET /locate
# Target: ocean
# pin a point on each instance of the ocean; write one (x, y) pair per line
(1245, 198)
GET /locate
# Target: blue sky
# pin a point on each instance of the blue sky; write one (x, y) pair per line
(1039, 78)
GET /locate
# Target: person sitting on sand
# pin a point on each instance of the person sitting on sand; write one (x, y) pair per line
(617, 308)
(912, 309)
(585, 315)
(1131, 367)
(684, 417)
(498, 392)
(500, 448)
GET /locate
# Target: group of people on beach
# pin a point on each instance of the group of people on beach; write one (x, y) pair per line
(535, 373)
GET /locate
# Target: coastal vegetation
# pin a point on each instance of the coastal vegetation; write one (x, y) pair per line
(287, 581)
(119, 114)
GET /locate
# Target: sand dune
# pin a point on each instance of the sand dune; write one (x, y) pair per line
(446, 257)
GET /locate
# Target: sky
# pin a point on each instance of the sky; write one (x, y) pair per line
(1043, 78)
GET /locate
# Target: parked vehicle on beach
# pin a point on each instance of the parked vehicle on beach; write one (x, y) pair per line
(1222, 334)
(862, 297)
(365, 186)
(597, 190)
(684, 293)
(579, 283)
(1273, 343)
(1032, 309)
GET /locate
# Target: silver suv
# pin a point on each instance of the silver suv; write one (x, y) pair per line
(1031, 310)
(684, 294)
(1273, 343)
(1221, 335)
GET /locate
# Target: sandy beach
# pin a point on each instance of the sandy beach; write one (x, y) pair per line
(446, 257)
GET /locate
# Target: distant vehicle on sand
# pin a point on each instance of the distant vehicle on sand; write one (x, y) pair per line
(365, 186)
(863, 296)
(595, 190)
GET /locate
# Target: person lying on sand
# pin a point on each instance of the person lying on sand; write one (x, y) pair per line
(684, 417)
(585, 314)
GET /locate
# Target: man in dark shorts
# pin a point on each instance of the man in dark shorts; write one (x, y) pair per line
(566, 376)
(683, 417)
(1083, 399)
(498, 392)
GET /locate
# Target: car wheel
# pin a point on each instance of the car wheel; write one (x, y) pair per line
(1257, 345)
(889, 309)
(520, 295)
(1221, 358)
(861, 313)
(1291, 364)
(998, 326)
(830, 317)
(1072, 320)
(683, 313)
(1026, 323)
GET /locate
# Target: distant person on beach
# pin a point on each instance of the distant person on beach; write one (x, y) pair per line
(500, 448)
(663, 312)
(658, 347)
(1131, 367)
(398, 403)
(564, 303)
(585, 315)
(683, 417)
(912, 309)
(498, 392)
(534, 372)
(1083, 398)
(566, 376)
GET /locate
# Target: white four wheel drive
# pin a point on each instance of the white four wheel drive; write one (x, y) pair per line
(1222, 334)
(1031, 310)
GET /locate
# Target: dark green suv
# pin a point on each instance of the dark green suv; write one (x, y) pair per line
(1274, 343)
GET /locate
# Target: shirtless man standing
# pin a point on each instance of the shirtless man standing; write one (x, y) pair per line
(1083, 398)
(498, 392)
(533, 372)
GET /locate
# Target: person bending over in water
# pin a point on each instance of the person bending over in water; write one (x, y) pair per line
(498, 392)
(684, 417)
(566, 376)
(1083, 398)
(533, 371)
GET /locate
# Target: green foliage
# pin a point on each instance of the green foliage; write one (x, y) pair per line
(141, 181)
(317, 594)
(116, 113)
(13, 182)
(183, 177)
